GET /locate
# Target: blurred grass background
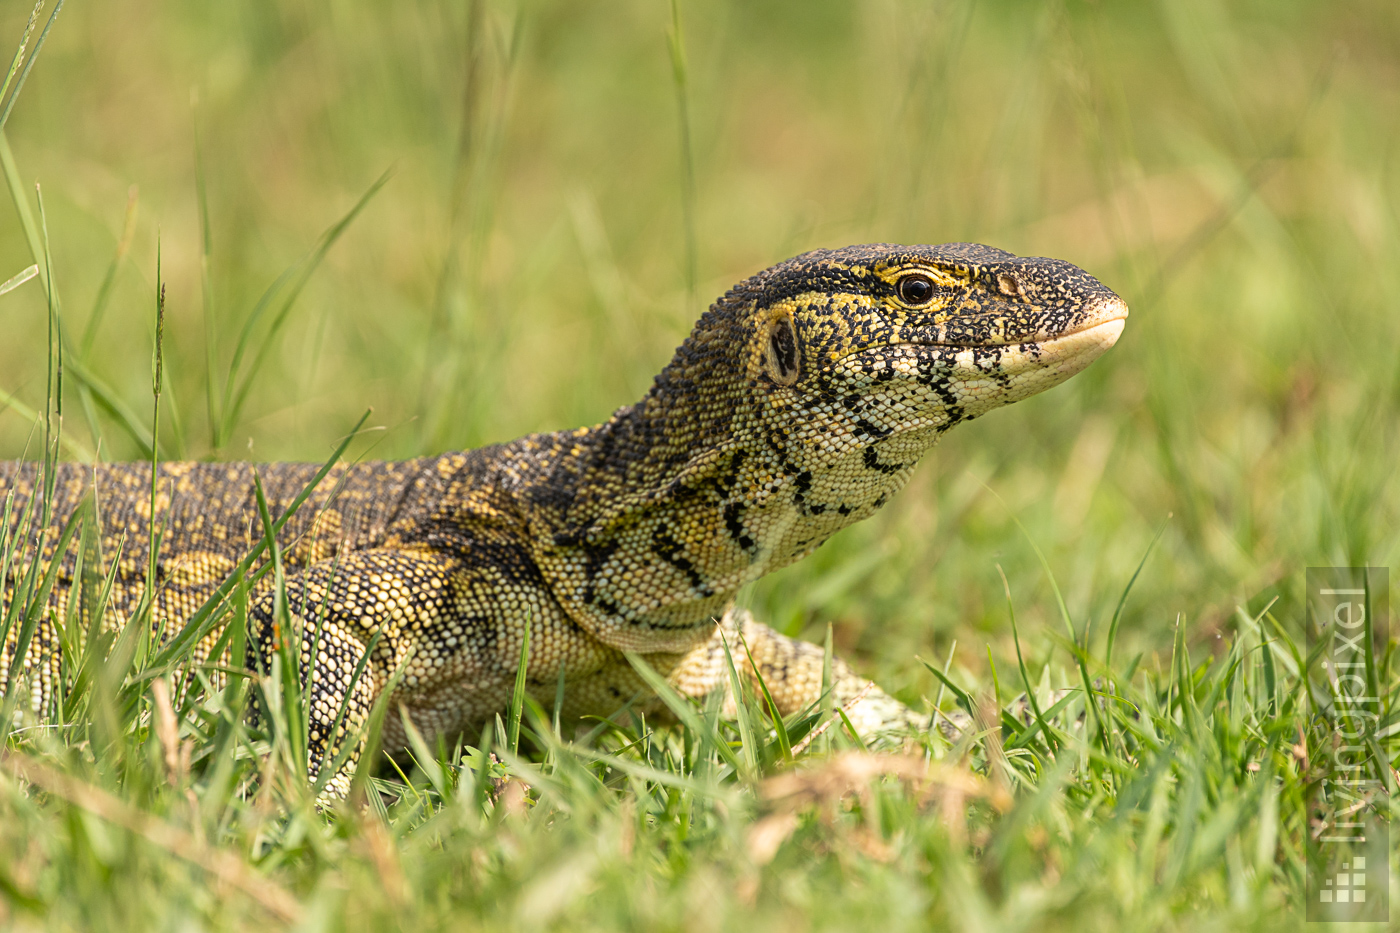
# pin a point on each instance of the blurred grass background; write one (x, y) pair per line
(565, 200)
(570, 185)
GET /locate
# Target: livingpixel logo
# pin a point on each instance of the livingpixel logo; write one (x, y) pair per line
(1348, 841)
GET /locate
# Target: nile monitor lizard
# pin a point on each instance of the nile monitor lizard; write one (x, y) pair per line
(798, 405)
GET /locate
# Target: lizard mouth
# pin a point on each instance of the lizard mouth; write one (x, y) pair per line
(1055, 359)
(1104, 319)
(1096, 334)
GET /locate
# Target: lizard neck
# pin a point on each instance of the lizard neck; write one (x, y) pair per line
(646, 526)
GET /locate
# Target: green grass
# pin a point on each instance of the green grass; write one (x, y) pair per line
(566, 187)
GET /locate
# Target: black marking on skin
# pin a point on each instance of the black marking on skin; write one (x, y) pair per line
(734, 524)
(730, 478)
(773, 437)
(950, 401)
(666, 547)
(987, 359)
(596, 556)
(560, 497)
(872, 461)
(803, 482)
(945, 394)
(680, 492)
(865, 427)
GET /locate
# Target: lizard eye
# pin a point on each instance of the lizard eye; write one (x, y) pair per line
(916, 289)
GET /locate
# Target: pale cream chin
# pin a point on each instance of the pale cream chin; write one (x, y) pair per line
(1081, 348)
(1065, 356)
(1031, 372)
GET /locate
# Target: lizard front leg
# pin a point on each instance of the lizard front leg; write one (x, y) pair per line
(792, 672)
(445, 628)
(416, 611)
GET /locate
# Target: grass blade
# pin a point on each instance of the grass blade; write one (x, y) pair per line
(1021, 663)
(517, 696)
(747, 741)
(288, 288)
(779, 727)
(682, 709)
(18, 279)
(28, 65)
(109, 280)
(204, 617)
(1122, 600)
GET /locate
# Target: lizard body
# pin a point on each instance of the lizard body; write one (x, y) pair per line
(799, 404)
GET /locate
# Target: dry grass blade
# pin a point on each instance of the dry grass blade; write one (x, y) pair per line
(177, 761)
(852, 773)
(226, 866)
(18, 279)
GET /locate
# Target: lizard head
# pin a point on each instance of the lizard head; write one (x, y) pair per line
(924, 336)
(799, 404)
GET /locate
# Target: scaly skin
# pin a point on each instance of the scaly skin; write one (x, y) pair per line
(798, 405)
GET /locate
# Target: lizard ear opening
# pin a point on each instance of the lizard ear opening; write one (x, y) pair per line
(781, 359)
